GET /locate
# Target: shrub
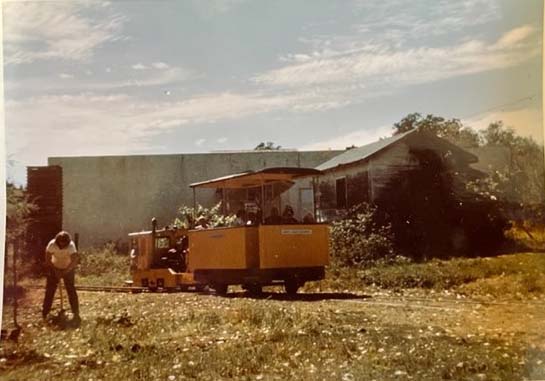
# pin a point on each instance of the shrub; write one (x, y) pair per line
(357, 239)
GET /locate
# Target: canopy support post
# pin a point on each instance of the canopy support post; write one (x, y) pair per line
(262, 202)
(194, 205)
(223, 206)
(314, 198)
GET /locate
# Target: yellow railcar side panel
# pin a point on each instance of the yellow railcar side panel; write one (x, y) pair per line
(252, 248)
(222, 248)
(285, 246)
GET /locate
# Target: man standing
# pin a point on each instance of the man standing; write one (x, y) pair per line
(61, 259)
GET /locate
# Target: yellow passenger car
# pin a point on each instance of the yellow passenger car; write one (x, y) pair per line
(262, 250)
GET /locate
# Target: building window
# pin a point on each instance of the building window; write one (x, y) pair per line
(340, 188)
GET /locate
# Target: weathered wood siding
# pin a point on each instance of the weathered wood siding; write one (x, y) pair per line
(366, 180)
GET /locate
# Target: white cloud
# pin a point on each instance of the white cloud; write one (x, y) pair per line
(357, 138)
(119, 124)
(373, 65)
(66, 76)
(134, 79)
(139, 66)
(200, 142)
(222, 140)
(515, 36)
(156, 65)
(56, 30)
(160, 65)
(397, 22)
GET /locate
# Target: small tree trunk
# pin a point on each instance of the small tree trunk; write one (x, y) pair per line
(525, 230)
(15, 291)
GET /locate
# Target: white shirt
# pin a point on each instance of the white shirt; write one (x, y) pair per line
(61, 258)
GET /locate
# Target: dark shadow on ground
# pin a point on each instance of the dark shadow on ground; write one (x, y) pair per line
(301, 297)
(61, 321)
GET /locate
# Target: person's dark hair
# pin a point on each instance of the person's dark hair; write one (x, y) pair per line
(288, 211)
(62, 239)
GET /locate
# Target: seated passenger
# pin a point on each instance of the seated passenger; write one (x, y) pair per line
(308, 218)
(202, 223)
(241, 218)
(134, 259)
(274, 218)
(287, 216)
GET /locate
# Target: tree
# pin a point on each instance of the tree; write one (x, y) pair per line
(267, 146)
(519, 185)
(519, 181)
(450, 129)
(512, 191)
(18, 211)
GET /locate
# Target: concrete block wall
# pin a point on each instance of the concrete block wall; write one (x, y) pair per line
(107, 197)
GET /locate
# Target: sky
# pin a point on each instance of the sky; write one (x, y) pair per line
(96, 78)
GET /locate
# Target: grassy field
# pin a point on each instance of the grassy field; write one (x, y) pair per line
(340, 329)
(515, 276)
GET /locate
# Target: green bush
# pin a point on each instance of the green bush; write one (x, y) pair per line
(188, 216)
(357, 239)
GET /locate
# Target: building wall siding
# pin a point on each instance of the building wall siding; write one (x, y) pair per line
(378, 170)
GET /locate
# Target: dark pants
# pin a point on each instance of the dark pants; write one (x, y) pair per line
(51, 287)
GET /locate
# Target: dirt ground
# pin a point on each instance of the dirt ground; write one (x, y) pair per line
(376, 335)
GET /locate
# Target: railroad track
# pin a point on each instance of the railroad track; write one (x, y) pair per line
(438, 303)
(122, 289)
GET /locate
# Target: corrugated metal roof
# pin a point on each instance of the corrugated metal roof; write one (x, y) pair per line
(363, 152)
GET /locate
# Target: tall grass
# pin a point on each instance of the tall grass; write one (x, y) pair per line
(511, 275)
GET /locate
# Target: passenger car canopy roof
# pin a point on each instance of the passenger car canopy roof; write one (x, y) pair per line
(253, 179)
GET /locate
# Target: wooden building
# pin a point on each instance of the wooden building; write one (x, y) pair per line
(417, 181)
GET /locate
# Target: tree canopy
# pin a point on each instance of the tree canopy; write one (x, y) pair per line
(18, 211)
(517, 185)
(450, 129)
(267, 146)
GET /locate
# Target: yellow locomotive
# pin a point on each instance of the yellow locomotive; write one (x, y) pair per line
(159, 260)
(258, 252)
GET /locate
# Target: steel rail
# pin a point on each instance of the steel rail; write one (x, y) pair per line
(393, 300)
